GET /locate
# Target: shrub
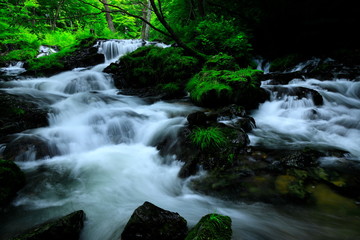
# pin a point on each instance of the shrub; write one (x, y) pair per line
(207, 138)
(150, 66)
(217, 88)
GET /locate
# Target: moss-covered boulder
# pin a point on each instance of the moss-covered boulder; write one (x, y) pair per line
(12, 179)
(150, 222)
(84, 54)
(211, 227)
(216, 88)
(221, 62)
(67, 227)
(150, 66)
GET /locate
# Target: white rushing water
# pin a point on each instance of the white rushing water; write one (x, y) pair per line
(108, 165)
(289, 121)
(13, 69)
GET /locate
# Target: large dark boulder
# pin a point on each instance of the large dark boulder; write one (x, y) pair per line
(24, 146)
(68, 227)
(149, 222)
(12, 179)
(211, 227)
(18, 115)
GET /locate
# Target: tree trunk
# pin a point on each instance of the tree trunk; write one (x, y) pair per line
(108, 16)
(201, 6)
(145, 30)
(174, 36)
(57, 14)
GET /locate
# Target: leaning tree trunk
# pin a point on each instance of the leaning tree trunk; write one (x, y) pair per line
(108, 16)
(174, 36)
(145, 30)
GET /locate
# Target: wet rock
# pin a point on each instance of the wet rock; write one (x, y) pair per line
(68, 227)
(301, 159)
(299, 92)
(211, 227)
(29, 147)
(12, 179)
(150, 222)
(18, 115)
(197, 119)
(278, 78)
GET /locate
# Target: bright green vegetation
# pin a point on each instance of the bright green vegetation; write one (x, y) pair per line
(221, 62)
(57, 59)
(211, 227)
(212, 87)
(150, 66)
(209, 138)
(11, 180)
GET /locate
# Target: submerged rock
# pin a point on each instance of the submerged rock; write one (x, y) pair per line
(299, 92)
(68, 227)
(149, 222)
(12, 179)
(28, 147)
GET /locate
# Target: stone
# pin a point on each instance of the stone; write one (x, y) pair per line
(67, 227)
(149, 222)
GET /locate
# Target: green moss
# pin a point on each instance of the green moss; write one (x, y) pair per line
(18, 111)
(11, 180)
(221, 62)
(211, 227)
(19, 55)
(151, 65)
(208, 138)
(221, 87)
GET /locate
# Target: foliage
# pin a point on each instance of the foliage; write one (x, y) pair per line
(11, 180)
(212, 87)
(211, 227)
(208, 138)
(221, 61)
(217, 34)
(148, 66)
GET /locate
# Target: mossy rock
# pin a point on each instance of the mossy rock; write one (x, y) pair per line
(221, 62)
(12, 179)
(150, 66)
(213, 88)
(211, 227)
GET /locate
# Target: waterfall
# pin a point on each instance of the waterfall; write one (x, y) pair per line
(13, 69)
(107, 164)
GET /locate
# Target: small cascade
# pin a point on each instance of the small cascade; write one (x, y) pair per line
(46, 51)
(114, 49)
(297, 122)
(14, 69)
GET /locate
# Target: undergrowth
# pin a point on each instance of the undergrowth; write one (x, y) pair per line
(207, 138)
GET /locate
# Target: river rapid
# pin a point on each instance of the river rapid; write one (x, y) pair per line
(108, 165)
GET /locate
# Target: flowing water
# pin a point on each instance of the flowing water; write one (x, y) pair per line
(107, 164)
(295, 122)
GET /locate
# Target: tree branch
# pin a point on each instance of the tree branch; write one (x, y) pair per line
(121, 10)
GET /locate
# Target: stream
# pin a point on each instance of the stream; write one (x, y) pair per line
(108, 164)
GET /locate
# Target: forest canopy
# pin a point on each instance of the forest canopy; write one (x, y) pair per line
(206, 26)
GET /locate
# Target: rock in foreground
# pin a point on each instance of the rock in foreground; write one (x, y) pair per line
(67, 227)
(150, 222)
